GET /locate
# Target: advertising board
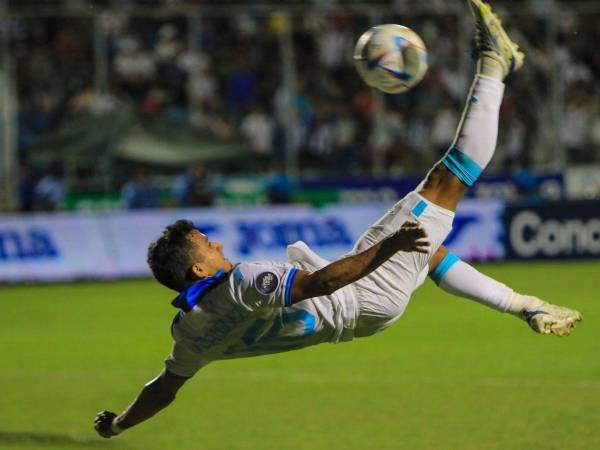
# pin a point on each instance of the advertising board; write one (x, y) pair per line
(566, 229)
(68, 246)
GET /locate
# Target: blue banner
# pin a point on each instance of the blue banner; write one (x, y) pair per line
(553, 230)
(108, 245)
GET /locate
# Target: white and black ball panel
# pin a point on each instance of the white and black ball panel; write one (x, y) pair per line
(391, 58)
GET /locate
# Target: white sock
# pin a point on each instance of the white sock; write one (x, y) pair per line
(475, 140)
(459, 278)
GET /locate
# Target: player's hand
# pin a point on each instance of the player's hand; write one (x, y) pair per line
(411, 237)
(103, 424)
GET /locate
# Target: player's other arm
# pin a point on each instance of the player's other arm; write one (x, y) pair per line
(410, 237)
(155, 396)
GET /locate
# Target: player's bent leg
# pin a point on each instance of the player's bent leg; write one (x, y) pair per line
(442, 187)
(455, 276)
(459, 278)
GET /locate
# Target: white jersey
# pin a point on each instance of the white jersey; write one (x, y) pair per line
(249, 313)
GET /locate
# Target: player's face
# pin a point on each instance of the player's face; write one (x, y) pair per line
(208, 254)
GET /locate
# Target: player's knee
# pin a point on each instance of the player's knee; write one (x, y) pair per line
(434, 177)
(443, 188)
(440, 178)
(437, 258)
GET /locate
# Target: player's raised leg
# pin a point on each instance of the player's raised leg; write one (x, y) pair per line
(455, 276)
(473, 146)
(384, 293)
(475, 140)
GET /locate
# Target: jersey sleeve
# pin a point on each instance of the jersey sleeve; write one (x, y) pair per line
(260, 285)
(183, 361)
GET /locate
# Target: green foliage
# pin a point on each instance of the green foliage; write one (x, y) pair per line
(449, 375)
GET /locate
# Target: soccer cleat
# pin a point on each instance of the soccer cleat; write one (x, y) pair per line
(492, 41)
(546, 318)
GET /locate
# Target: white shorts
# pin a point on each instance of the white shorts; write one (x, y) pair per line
(383, 295)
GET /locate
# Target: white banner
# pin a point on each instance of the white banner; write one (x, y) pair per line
(107, 245)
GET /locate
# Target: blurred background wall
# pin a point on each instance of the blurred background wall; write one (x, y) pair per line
(120, 105)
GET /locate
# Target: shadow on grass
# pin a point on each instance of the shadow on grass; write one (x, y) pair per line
(50, 439)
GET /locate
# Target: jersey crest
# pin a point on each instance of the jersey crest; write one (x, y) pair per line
(266, 282)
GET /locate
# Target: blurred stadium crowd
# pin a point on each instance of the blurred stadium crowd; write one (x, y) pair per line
(224, 76)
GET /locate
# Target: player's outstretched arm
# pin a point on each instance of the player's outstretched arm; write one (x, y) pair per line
(155, 396)
(409, 238)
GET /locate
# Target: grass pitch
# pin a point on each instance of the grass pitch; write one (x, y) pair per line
(449, 375)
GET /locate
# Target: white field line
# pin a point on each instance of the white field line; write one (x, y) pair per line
(314, 378)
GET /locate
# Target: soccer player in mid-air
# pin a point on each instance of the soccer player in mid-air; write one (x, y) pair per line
(232, 311)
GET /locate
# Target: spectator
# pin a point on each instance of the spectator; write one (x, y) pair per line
(25, 189)
(168, 47)
(577, 124)
(193, 188)
(241, 86)
(444, 126)
(257, 127)
(164, 72)
(279, 188)
(50, 191)
(141, 192)
(134, 67)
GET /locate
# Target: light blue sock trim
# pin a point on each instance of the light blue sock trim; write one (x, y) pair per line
(443, 267)
(418, 210)
(461, 165)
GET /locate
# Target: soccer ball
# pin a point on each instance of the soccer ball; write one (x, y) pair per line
(391, 58)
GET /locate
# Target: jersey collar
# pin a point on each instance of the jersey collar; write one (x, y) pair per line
(192, 295)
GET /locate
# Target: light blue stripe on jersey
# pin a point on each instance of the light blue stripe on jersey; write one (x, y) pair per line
(287, 295)
(418, 210)
(306, 318)
(443, 267)
(461, 165)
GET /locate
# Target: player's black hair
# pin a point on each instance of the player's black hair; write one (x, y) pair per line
(169, 257)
